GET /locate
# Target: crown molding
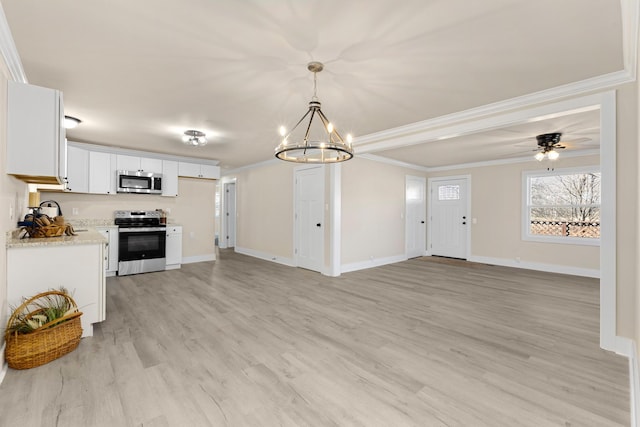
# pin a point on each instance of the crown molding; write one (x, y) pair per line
(248, 167)
(411, 133)
(10, 52)
(630, 22)
(500, 162)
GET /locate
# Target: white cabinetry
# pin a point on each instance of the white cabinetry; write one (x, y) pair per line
(169, 178)
(111, 253)
(79, 268)
(196, 170)
(102, 178)
(77, 170)
(36, 144)
(134, 163)
(174, 247)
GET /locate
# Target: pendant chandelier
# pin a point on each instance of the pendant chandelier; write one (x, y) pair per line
(321, 142)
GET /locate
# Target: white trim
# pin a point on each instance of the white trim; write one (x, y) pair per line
(10, 52)
(608, 273)
(538, 266)
(514, 160)
(375, 262)
(393, 162)
(198, 258)
(525, 230)
(335, 218)
(634, 383)
(630, 17)
(430, 182)
(451, 124)
(289, 262)
(249, 167)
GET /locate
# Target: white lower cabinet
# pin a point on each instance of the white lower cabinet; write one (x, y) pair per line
(174, 247)
(78, 268)
(111, 253)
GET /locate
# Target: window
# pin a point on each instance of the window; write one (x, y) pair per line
(448, 192)
(563, 206)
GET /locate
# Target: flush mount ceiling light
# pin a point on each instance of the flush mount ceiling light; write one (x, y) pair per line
(548, 143)
(71, 122)
(194, 138)
(320, 143)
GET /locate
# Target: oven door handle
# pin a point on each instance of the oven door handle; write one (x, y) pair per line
(140, 229)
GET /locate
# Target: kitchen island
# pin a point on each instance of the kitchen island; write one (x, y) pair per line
(36, 265)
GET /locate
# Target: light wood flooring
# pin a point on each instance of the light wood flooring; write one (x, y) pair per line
(245, 342)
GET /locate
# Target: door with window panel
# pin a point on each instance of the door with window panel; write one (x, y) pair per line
(449, 218)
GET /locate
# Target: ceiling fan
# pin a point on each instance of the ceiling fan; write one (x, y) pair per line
(548, 143)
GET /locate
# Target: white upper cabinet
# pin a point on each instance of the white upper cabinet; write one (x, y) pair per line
(196, 170)
(169, 178)
(77, 170)
(102, 176)
(134, 163)
(36, 145)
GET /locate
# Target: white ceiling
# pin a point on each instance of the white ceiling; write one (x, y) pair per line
(139, 73)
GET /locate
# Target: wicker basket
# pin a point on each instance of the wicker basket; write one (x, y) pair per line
(47, 343)
(51, 230)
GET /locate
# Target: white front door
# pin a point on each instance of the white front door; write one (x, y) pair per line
(416, 212)
(449, 218)
(309, 218)
(230, 215)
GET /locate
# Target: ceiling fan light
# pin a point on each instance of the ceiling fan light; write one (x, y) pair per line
(539, 156)
(553, 155)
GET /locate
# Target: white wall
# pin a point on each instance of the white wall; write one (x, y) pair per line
(194, 209)
(264, 209)
(496, 203)
(373, 205)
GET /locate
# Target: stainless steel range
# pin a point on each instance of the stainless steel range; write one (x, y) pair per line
(142, 244)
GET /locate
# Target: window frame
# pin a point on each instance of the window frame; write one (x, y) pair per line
(526, 217)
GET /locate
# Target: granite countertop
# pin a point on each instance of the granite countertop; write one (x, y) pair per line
(88, 236)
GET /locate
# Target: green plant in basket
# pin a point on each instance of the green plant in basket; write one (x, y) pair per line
(42, 313)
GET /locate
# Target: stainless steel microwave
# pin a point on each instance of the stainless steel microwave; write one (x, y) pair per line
(139, 182)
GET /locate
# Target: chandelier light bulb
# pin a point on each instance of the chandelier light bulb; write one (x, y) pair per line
(539, 156)
(349, 138)
(329, 128)
(282, 130)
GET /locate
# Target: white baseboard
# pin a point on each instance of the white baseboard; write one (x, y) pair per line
(199, 258)
(375, 262)
(265, 256)
(634, 380)
(549, 268)
(172, 267)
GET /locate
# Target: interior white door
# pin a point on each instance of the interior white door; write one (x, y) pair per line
(230, 214)
(416, 212)
(449, 218)
(309, 218)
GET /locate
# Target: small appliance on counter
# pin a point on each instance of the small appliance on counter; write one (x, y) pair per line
(142, 242)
